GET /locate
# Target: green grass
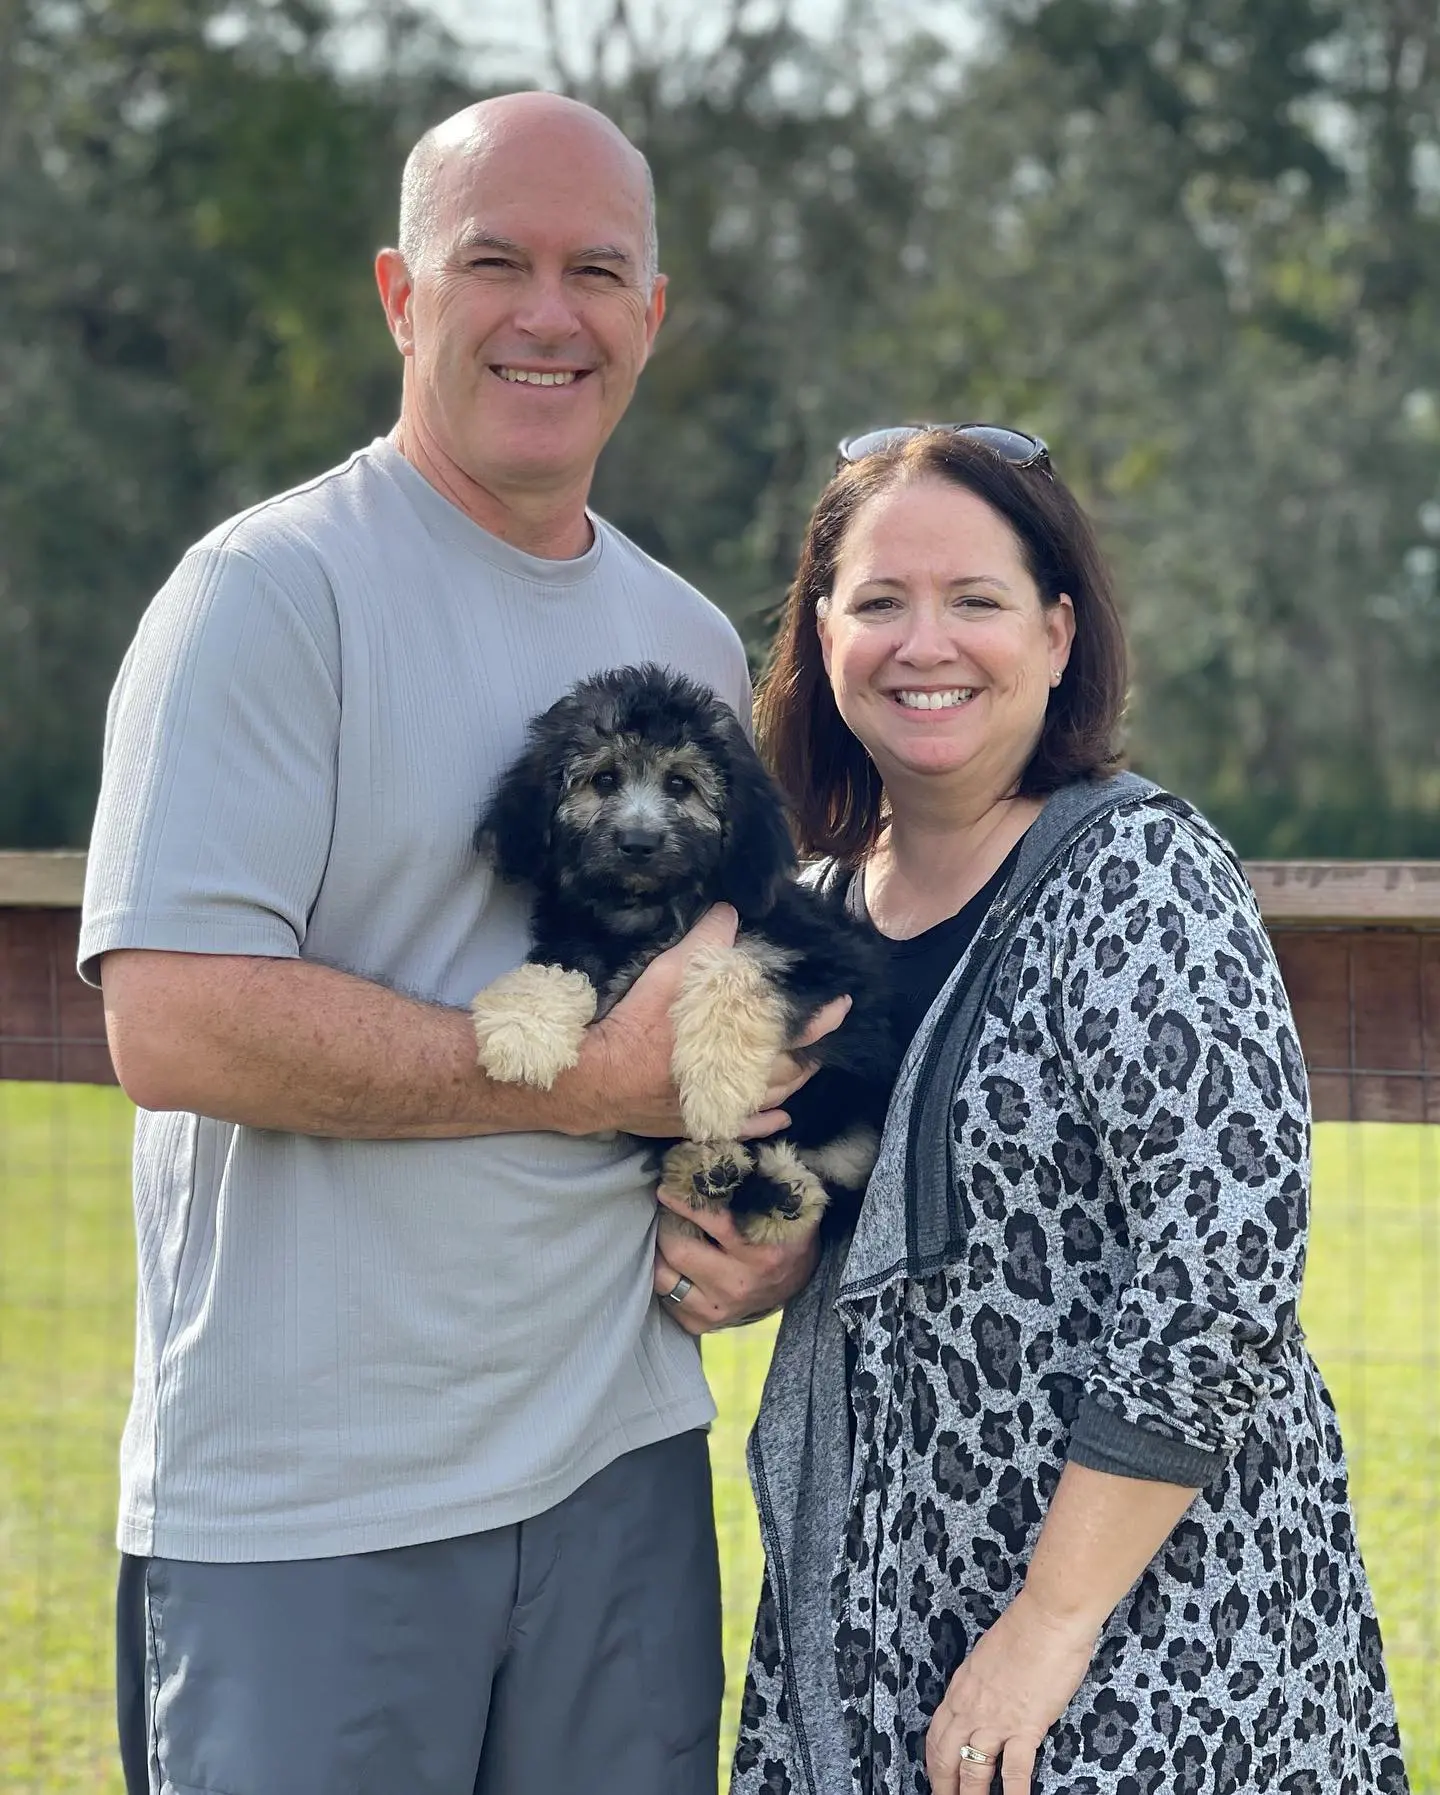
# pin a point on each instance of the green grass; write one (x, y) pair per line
(1372, 1309)
(735, 1363)
(66, 1324)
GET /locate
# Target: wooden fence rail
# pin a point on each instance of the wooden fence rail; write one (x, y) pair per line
(1359, 944)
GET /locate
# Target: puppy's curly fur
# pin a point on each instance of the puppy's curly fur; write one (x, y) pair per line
(637, 803)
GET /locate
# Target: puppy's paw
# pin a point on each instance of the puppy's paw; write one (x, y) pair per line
(848, 1160)
(800, 1197)
(729, 1025)
(530, 1023)
(704, 1173)
(771, 1228)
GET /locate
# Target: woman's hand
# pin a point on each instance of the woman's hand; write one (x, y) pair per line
(1004, 1698)
(1101, 1532)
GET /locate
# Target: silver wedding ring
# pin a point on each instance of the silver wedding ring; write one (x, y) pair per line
(971, 1756)
(679, 1293)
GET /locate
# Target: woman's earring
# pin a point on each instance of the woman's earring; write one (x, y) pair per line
(1055, 676)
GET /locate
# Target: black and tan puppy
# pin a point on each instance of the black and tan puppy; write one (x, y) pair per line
(637, 804)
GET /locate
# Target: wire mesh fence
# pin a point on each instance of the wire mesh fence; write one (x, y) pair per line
(1367, 1000)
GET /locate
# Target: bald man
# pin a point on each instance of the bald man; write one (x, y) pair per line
(415, 1492)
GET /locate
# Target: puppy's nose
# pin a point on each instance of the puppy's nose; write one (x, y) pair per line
(637, 844)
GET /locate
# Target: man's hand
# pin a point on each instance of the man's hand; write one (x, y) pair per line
(730, 1279)
(623, 1080)
(303, 1048)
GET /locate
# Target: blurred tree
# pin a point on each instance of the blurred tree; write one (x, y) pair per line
(189, 198)
(1196, 243)
(1160, 233)
(785, 191)
(1272, 486)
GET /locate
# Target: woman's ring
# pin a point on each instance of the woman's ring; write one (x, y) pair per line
(972, 1756)
(680, 1292)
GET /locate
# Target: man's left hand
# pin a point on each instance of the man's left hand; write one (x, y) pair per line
(730, 1279)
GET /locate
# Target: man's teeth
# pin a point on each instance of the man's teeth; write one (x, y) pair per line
(529, 377)
(936, 701)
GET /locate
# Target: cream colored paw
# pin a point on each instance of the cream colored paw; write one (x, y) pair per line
(530, 1023)
(781, 1164)
(848, 1160)
(729, 1025)
(704, 1173)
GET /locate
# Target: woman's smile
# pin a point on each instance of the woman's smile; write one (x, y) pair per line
(913, 698)
(940, 650)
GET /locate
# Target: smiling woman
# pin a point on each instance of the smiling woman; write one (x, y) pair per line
(937, 665)
(1047, 1477)
(935, 573)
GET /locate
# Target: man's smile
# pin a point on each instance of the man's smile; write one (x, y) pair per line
(538, 376)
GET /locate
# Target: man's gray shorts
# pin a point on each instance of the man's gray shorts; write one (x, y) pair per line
(578, 1650)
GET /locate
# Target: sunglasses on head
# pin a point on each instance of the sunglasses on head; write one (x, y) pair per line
(1017, 447)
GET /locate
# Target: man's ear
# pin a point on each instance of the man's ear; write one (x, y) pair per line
(396, 290)
(759, 853)
(655, 312)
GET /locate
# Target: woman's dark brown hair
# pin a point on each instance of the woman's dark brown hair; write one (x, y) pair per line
(829, 778)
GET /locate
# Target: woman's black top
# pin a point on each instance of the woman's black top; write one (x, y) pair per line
(921, 965)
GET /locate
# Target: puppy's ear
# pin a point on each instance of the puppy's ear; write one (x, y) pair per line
(515, 831)
(759, 853)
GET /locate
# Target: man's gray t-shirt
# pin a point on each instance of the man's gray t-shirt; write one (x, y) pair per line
(345, 1345)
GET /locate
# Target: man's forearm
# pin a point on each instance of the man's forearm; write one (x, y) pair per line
(289, 1045)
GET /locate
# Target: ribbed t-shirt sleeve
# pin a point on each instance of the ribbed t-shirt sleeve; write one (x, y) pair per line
(218, 791)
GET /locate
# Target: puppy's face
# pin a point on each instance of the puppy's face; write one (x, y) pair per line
(638, 816)
(638, 791)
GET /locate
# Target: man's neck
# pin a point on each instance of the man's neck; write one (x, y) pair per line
(553, 525)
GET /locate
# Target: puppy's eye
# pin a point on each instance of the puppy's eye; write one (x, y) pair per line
(677, 785)
(605, 782)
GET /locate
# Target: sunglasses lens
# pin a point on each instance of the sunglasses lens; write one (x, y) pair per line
(870, 442)
(1013, 446)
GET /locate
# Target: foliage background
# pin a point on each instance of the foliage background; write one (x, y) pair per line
(1194, 243)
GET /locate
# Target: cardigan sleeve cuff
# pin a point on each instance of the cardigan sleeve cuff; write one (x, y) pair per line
(1102, 1441)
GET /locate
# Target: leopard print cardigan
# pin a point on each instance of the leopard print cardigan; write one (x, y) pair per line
(1129, 1157)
